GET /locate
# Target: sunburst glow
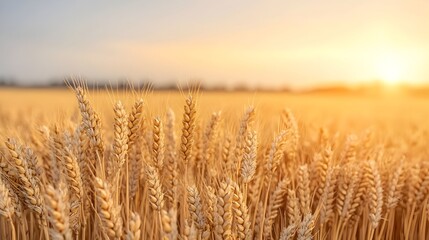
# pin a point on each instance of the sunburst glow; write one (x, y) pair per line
(391, 69)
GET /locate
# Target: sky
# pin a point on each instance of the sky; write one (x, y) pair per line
(221, 43)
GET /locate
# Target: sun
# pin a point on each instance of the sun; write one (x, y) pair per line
(390, 69)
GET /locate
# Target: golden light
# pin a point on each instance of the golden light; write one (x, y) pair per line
(391, 69)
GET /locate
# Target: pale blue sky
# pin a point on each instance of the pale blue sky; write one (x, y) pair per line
(263, 43)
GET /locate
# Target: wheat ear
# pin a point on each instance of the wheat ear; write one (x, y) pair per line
(273, 158)
(327, 198)
(196, 208)
(111, 220)
(156, 196)
(346, 194)
(29, 183)
(241, 214)
(76, 192)
(288, 232)
(276, 201)
(134, 233)
(223, 218)
(90, 120)
(135, 119)
(210, 135)
(171, 158)
(304, 189)
(306, 228)
(188, 128)
(158, 144)
(248, 168)
(57, 208)
(395, 187)
(290, 124)
(246, 123)
(7, 208)
(375, 193)
(292, 209)
(322, 165)
(120, 145)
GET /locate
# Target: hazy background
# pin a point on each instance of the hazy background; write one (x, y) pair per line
(222, 43)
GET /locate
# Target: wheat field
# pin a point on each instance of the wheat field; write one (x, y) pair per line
(110, 164)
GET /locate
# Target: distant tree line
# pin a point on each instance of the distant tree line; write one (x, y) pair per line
(125, 84)
(375, 88)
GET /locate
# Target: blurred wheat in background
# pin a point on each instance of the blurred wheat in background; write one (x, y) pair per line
(148, 171)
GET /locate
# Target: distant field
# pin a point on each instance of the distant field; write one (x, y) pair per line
(318, 109)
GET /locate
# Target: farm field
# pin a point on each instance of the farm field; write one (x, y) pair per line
(79, 164)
